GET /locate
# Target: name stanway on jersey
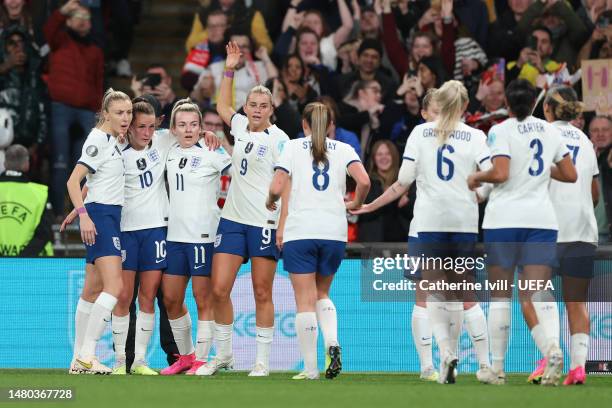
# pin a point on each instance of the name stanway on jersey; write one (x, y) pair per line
(146, 199)
(253, 159)
(193, 181)
(573, 202)
(101, 154)
(444, 202)
(533, 146)
(316, 203)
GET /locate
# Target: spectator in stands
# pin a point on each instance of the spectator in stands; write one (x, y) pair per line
(316, 75)
(241, 18)
(25, 225)
(248, 73)
(589, 12)
(505, 39)
(369, 24)
(314, 20)
(286, 116)
(17, 13)
(407, 14)
(567, 31)
(360, 112)
(347, 56)
(488, 105)
(600, 132)
(403, 115)
(423, 44)
(599, 44)
(474, 16)
(208, 51)
(76, 75)
(383, 225)
(162, 90)
(292, 74)
(22, 91)
(535, 58)
(368, 68)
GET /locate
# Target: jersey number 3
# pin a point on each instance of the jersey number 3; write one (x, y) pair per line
(537, 158)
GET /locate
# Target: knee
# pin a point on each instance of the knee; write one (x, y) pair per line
(172, 302)
(262, 295)
(125, 298)
(220, 295)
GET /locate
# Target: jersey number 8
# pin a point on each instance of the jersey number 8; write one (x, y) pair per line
(318, 172)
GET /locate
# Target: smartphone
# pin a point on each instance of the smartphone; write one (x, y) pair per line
(603, 22)
(532, 42)
(151, 80)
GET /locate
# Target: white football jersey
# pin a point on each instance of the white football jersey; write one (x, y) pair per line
(101, 154)
(533, 146)
(146, 199)
(444, 203)
(253, 160)
(193, 180)
(316, 203)
(573, 202)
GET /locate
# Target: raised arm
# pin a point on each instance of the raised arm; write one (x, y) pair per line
(344, 31)
(224, 101)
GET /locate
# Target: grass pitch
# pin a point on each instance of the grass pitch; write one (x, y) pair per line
(348, 390)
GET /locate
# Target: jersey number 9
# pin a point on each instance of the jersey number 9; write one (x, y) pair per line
(243, 167)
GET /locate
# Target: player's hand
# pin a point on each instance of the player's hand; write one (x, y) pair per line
(353, 205)
(233, 55)
(473, 184)
(403, 201)
(211, 140)
(68, 220)
(70, 6)
(363, 209)
(88, 230)
(279, 237)
(271, 205)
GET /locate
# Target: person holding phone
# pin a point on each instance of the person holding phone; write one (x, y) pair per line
(158, 83)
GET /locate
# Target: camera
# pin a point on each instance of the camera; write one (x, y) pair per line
(151, 80)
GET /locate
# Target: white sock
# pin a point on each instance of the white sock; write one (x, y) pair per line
(455, 326)
(539, 338)
(476, 326)
(181, 330)
(120, 326)
(100, 315)
(326, 315)
(223, 340)
(307, 333)
(206, 330)
(548, 317)
(439, 320)
(145, 323)
(579, 349)
(263, 338)
(81, 317)
(421, 335)
(499, 331)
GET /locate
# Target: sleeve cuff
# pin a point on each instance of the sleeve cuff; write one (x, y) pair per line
(408, 158)
(91, 169)
(282, 168)
(353, 161)
(225, 170)
(484, 159)
(501, 155)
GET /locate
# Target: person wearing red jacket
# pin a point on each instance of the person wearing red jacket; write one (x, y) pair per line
(76, 73)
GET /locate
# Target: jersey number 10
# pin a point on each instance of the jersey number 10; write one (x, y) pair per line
(146, 179)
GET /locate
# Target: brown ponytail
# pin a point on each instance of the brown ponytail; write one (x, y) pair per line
(318, 117)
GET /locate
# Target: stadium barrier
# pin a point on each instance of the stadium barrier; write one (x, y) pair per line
(38, 298)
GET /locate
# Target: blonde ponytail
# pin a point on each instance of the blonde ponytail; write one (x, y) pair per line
(318, 117)
(451, 98)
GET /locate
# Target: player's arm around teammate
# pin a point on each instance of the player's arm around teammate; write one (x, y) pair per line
(193, 178)
(316, 229)
(102, 164)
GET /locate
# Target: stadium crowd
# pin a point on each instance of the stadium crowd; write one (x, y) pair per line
(370, 61)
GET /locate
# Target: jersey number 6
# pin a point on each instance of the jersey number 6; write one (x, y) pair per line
(445, 166)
